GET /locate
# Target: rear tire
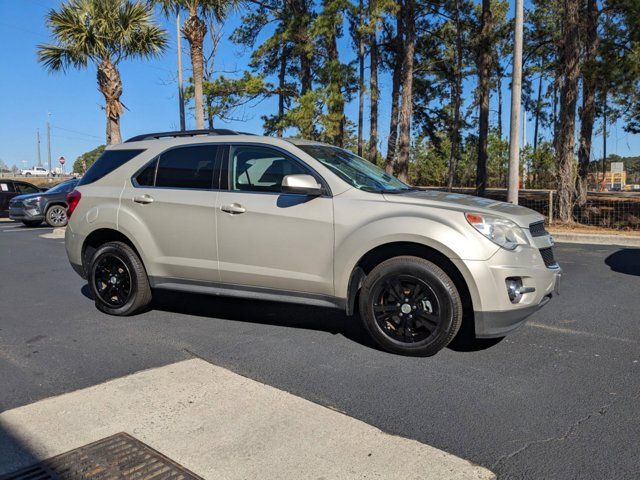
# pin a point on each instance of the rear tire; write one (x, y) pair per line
(410, 306)
(118, 280)
(31, 223)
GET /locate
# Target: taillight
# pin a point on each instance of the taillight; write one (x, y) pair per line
(72, 201)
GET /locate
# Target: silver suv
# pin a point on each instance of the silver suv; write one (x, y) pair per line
(225, 213)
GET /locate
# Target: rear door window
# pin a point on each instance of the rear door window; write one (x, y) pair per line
(25, 188)
(185, 167)
(107, 163)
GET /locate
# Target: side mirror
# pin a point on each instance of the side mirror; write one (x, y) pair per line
(301, 184)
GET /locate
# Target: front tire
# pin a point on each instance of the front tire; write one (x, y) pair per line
(118, 280)
(56, 216)
(410, 306)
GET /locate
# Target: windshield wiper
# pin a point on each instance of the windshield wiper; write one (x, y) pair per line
(401, 190)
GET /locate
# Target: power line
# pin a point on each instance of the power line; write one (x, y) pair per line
(76, 132)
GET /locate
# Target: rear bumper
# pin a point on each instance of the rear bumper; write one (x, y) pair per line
(498, 324)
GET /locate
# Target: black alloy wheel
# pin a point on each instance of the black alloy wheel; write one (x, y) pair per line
(112, 280)
(406, 308)
(410, 306)
(118, 280)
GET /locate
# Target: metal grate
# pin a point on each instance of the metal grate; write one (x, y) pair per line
(117, 457)
(537, 229)
(547, 256)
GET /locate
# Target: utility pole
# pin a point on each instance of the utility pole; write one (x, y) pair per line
(516, 92)
(180, 90)
(604, 140)
(525, 172)
(49, 144)
(38, 146)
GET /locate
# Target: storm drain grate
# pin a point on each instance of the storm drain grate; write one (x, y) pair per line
(117, 457)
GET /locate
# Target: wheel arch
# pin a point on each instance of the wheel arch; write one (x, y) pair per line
(383, 252)
(101, 236)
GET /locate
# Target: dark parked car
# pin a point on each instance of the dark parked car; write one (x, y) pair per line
(13, 188)
(50, 206)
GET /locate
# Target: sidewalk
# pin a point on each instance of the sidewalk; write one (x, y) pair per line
(221, 425)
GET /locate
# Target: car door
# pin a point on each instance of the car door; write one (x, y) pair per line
(6, 193)
(173, 198)
(266, 238)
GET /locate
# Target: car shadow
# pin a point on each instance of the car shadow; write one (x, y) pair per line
(14, 454)
(625, 260)
(329, 320)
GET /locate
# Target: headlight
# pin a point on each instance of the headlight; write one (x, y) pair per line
(32, 202)
(499, 230)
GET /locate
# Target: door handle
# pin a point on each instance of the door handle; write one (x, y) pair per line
(144, 199)
(234, 208)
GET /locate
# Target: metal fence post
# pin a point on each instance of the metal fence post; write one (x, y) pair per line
(550, 206)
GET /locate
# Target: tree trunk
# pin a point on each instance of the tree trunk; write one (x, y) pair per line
(484, 64)
(110, 84)
(499, 92)
(373, 85)
(395, 103)
(456, 100)
(335, 105)
(406, 110)
(588, 110)
(282, 74)
(360, 75)
(537, 112)
(570, 62)
(194, 30)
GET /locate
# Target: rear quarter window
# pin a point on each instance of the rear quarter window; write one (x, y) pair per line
(107, 163)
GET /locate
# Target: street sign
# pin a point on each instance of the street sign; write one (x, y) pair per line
(617, 167)
(61, 160)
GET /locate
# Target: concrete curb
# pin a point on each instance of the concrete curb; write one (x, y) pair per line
(596, 239)
(221, 425)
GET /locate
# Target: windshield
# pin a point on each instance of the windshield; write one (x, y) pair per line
(354, 170)
(63, 187)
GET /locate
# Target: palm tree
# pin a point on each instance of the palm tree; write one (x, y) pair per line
(195, 30)
(102, 32)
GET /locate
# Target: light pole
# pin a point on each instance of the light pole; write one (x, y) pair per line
(180, 90)
(38, 146)
(516, 92)
(49, 144)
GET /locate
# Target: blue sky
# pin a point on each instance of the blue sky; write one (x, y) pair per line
(74, 103)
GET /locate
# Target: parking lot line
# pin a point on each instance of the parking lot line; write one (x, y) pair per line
(571, 331)
(22, 229)
(222, 425)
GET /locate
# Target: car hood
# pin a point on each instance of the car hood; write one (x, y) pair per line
(455, 201)
(26, 196)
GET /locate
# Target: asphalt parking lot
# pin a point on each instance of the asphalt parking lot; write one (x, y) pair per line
(560, 398)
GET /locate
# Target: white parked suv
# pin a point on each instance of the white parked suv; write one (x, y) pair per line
(36, 172)
(222, 213)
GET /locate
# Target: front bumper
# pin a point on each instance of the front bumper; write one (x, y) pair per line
(25, 215)
(498, 324)
(495, 314)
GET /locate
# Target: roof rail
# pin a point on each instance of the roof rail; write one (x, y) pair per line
(181, 133)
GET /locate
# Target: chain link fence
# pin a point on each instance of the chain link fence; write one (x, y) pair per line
(613, 210)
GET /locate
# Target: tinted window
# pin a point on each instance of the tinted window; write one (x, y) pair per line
(25, 188)
(260, 169)
(107, 163)
(147, 176)
(6, 186)
(187, 167)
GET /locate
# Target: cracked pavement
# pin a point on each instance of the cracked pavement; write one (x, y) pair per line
(557, 399)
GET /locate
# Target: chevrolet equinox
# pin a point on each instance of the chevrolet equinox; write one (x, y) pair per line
(290, 220)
